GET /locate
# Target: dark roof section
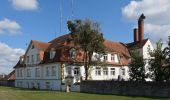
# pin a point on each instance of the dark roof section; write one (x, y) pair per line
(136, 45)
(19, 65)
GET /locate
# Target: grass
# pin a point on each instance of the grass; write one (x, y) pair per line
(9, 93)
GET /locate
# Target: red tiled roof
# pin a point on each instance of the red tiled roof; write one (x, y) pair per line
(41, 45)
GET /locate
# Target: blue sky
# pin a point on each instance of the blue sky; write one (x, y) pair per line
(24, 20)
(42, 23)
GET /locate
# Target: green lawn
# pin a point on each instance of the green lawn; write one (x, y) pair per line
(7, 93)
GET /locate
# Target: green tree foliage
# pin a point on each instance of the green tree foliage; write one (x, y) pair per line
(157, 70)
(166, 65)
(87, 35)
(137, 67)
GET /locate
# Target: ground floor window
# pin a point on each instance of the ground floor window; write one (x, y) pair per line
(123, 71)
(76, 71)
(47, 84)
(112, 71)
(98, 71)
(105, 71)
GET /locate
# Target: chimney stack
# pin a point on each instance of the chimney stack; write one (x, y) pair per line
(141, 27)
(136, 35)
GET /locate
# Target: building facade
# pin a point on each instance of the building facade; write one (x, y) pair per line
(58, 64)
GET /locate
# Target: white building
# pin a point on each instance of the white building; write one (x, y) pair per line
(57, 64)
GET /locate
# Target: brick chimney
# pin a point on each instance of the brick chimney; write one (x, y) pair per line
(136, 35)
(141, 27)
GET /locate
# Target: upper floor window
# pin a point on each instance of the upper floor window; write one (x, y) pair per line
(123, 71)
(112, 71)
(28, 72)
(32, 57)
(38, 57)
(17, 73)
(112, 58)
(53, 71)
(37, 72)
(105, 71)
(105, 57)
(98, 71)
(47, 71)
(28, 59)
(76, 71)
(20, 73)
(73, 53)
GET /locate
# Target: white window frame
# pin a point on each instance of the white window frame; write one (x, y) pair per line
(123, 71)
(47, 71)
(37, 72)
(53, 71)
(112, 57)
(105, 71)
(28, 72)
(105, 57)
(76, 71)
(112, 71)
(98, 71)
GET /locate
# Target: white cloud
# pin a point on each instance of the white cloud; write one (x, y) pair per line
(157, 16)
(9, 27)
(9, 57)
(25, 4)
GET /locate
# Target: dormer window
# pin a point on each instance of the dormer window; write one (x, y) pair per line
(21, 60)
(73, 53)
(52, 54)
(112, 58)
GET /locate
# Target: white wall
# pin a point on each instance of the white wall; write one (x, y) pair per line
(145, 49)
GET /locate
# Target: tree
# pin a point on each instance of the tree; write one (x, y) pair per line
(166, 52)
(87, 35)
(157, 71)
(137, 67)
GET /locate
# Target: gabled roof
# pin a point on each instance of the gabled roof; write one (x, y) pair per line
(137, 45)
(40, 45)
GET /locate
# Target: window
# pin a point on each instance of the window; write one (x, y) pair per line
(123, 71)
(28, 59)
(53, 71)
(105, 71)
(105, 57)
(32, 57)
(76, 71)
(98, 71)
(52, 54)
(32, 47)
(17, 73)
(112, 71)
(20, 73)
(28, 72)
(38, 57)
(47, 71)
(37, 72)
(112, 58)
(47, 84)
(73, 53)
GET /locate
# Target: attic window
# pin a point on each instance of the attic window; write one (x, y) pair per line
(52, 54)
(73, 53)
(32, 47)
